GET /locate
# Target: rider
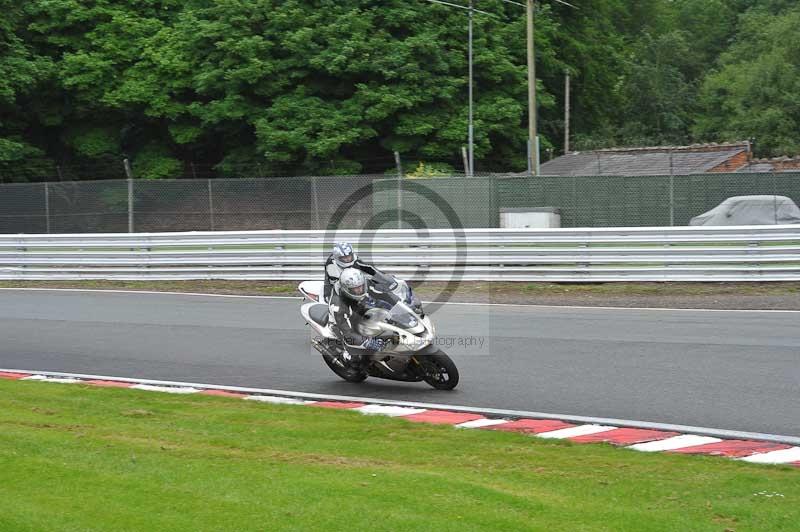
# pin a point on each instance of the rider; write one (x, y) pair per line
(348, 301)
(343, 256)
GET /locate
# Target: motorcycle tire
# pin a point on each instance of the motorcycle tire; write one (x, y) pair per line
(348, 374)
(440, 371)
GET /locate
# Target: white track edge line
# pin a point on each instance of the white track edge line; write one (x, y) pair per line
(687, 429)
(458, 303)
(148, 292)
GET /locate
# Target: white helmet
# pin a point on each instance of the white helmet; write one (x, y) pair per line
(353, 283)
(344, 255)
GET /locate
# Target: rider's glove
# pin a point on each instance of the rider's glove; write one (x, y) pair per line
(409, 296)
(416, 305)
(374, 344)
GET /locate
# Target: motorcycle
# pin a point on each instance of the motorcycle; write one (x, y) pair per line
(397, 317)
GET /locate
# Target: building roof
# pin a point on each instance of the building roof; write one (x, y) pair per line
(657, 160)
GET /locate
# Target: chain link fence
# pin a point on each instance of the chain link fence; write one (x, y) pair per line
(376, 201)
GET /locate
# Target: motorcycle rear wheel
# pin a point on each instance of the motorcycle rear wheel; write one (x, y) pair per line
(346, 373)
(440, 370)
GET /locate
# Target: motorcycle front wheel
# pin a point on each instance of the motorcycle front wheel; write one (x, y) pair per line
(440, 370)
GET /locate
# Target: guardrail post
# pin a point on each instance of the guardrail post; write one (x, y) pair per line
(47, 206)
(529, 156)
(129, 174)
(494, 203)
(210, 205)
(315, 199)
(399, 165)
(671, 197)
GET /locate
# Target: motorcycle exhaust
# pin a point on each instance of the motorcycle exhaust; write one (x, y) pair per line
(323, 350)
(326, 351)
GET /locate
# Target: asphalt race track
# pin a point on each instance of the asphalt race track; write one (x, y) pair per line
(728, 370)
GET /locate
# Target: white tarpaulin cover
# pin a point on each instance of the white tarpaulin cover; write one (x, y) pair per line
(751, 210)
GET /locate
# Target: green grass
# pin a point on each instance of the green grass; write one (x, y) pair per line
(82, 458)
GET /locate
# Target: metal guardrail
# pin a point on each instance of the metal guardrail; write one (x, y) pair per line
(747, 253)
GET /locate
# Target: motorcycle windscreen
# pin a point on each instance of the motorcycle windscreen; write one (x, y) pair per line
(403, 317)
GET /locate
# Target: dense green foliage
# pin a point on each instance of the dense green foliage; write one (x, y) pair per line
(303, 86)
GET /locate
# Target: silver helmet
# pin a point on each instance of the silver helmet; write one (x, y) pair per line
(344, 255)
(353, 283)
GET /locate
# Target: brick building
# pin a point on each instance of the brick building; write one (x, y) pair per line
(776, 164)
(667, 160)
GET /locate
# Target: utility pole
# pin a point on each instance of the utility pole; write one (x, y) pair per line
(471, 133)
(532, 133)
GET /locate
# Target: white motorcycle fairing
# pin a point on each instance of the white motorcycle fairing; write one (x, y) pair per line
(309, 313)
(409, 341)
(312, 290)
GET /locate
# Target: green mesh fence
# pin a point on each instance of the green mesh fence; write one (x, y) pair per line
(370, 201)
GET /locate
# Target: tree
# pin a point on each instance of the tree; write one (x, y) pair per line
(308, 86)
(756, 91)
(284, 82)
(21, 73)
(591, 43)
(93, 46)
(658, 97)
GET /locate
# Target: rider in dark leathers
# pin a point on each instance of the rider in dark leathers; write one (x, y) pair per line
(343, 256)
(348, 302)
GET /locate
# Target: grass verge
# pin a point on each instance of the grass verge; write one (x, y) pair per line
(83, 458)
(472, 287)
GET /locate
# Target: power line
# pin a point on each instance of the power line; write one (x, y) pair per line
(466, 8)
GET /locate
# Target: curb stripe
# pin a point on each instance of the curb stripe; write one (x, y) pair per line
(12, 376)
(481, 423)
(107, 384)
(769, 450)
(443, 417)
(625, 436)
(676, 442)
(533, 426)
(580, 430)
(276, 400)
(733, 448)
(166, 389)
(334, 404)
(44, 378)
(223, 393)
(391, 411)
(784, 456)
